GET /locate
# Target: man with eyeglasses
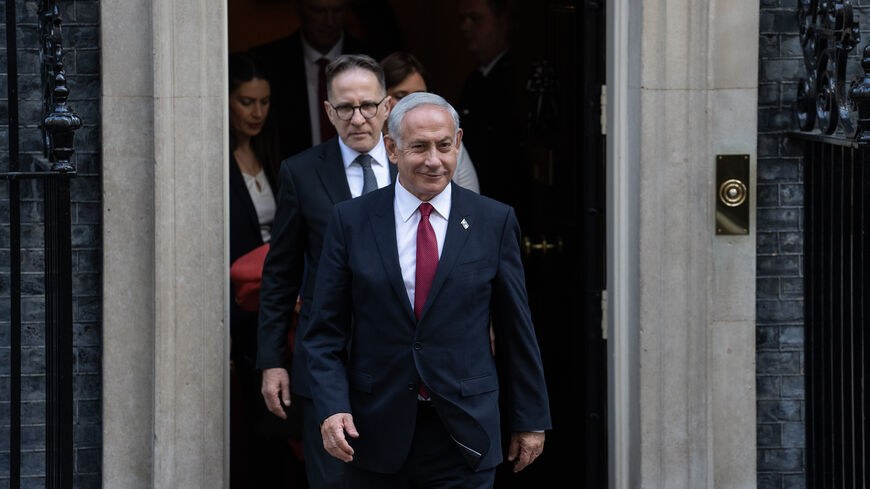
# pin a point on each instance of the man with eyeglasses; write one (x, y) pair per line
(310, 184)
(297, 66)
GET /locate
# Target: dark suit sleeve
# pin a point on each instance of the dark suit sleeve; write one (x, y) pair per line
(517, 347)
(329, 330)
(282, 275)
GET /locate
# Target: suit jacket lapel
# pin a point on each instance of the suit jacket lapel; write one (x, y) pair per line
(384, 228)
(394, 170)
(238, 185)
(331, 172)
(454, 241)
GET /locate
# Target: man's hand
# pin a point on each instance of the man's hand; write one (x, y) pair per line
(276, 383)
(332, 430)
(525, 448)
(491, 339)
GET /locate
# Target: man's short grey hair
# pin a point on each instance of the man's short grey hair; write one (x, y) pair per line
(411, 102)
(347, 62)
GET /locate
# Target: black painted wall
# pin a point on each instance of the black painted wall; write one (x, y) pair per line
(82, 63)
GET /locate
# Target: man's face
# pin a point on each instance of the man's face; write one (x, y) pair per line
(356, 87)
(485, 32)
(430, 147)
(322, 22)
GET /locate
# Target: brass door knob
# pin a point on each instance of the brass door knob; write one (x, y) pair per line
(732, 192)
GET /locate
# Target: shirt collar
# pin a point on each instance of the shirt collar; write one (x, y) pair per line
(378, 153)
(489, 66)
(311, 55)
(408, 203)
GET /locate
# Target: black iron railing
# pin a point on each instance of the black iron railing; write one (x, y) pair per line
(837, 256)
(833, 111)
(59, 124)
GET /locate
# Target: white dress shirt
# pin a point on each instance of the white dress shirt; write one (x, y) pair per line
(405, 208)
(312, 71)
(354, 171)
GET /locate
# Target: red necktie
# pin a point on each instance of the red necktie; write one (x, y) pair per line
(427, 263)
(427, 258)
(326, 128)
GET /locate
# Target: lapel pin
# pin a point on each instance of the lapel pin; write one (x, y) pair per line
(464, 224)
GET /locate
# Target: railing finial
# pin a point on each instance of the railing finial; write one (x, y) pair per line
(60, 122)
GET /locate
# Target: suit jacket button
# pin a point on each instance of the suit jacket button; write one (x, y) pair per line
(412, 386)
(418, 346)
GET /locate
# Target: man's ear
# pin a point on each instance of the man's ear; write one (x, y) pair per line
(391, 147)
(458, 138)
(329, 112)
(389, 103)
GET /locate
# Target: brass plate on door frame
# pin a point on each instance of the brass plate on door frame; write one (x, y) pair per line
(732, 194)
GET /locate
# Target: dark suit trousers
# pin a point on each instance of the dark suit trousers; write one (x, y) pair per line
(434, 462)
(324, 471)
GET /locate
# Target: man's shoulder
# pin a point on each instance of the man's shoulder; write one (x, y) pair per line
(480, 203)
(308, 160)
(377, 201)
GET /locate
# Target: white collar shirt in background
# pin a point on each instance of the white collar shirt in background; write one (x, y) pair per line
(312, 70)
(486, 69)
(354, 171)
(405, 208)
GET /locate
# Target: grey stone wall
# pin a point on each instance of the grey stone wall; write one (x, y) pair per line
(779, 308)
(82, 56)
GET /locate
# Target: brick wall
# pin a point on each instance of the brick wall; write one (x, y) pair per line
(82, 57)
(780, 333)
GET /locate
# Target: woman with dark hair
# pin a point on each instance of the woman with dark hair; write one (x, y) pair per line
(253, 174)
(260, 455)
(403, 75)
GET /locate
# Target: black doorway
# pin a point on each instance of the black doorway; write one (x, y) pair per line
(558, 50)
(562, 59)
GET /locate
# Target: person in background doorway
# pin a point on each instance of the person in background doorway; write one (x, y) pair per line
(297, 64)
(252, 177)
(490, 105)
(405, 75)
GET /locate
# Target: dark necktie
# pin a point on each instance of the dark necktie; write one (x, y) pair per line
(370, 183)
(427, 258)
(327, 131)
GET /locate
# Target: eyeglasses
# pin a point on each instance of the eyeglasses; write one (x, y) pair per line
(367, 109)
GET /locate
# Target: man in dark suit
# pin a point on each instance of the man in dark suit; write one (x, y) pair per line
(310, 184)
(297, 69)
(398, 344)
